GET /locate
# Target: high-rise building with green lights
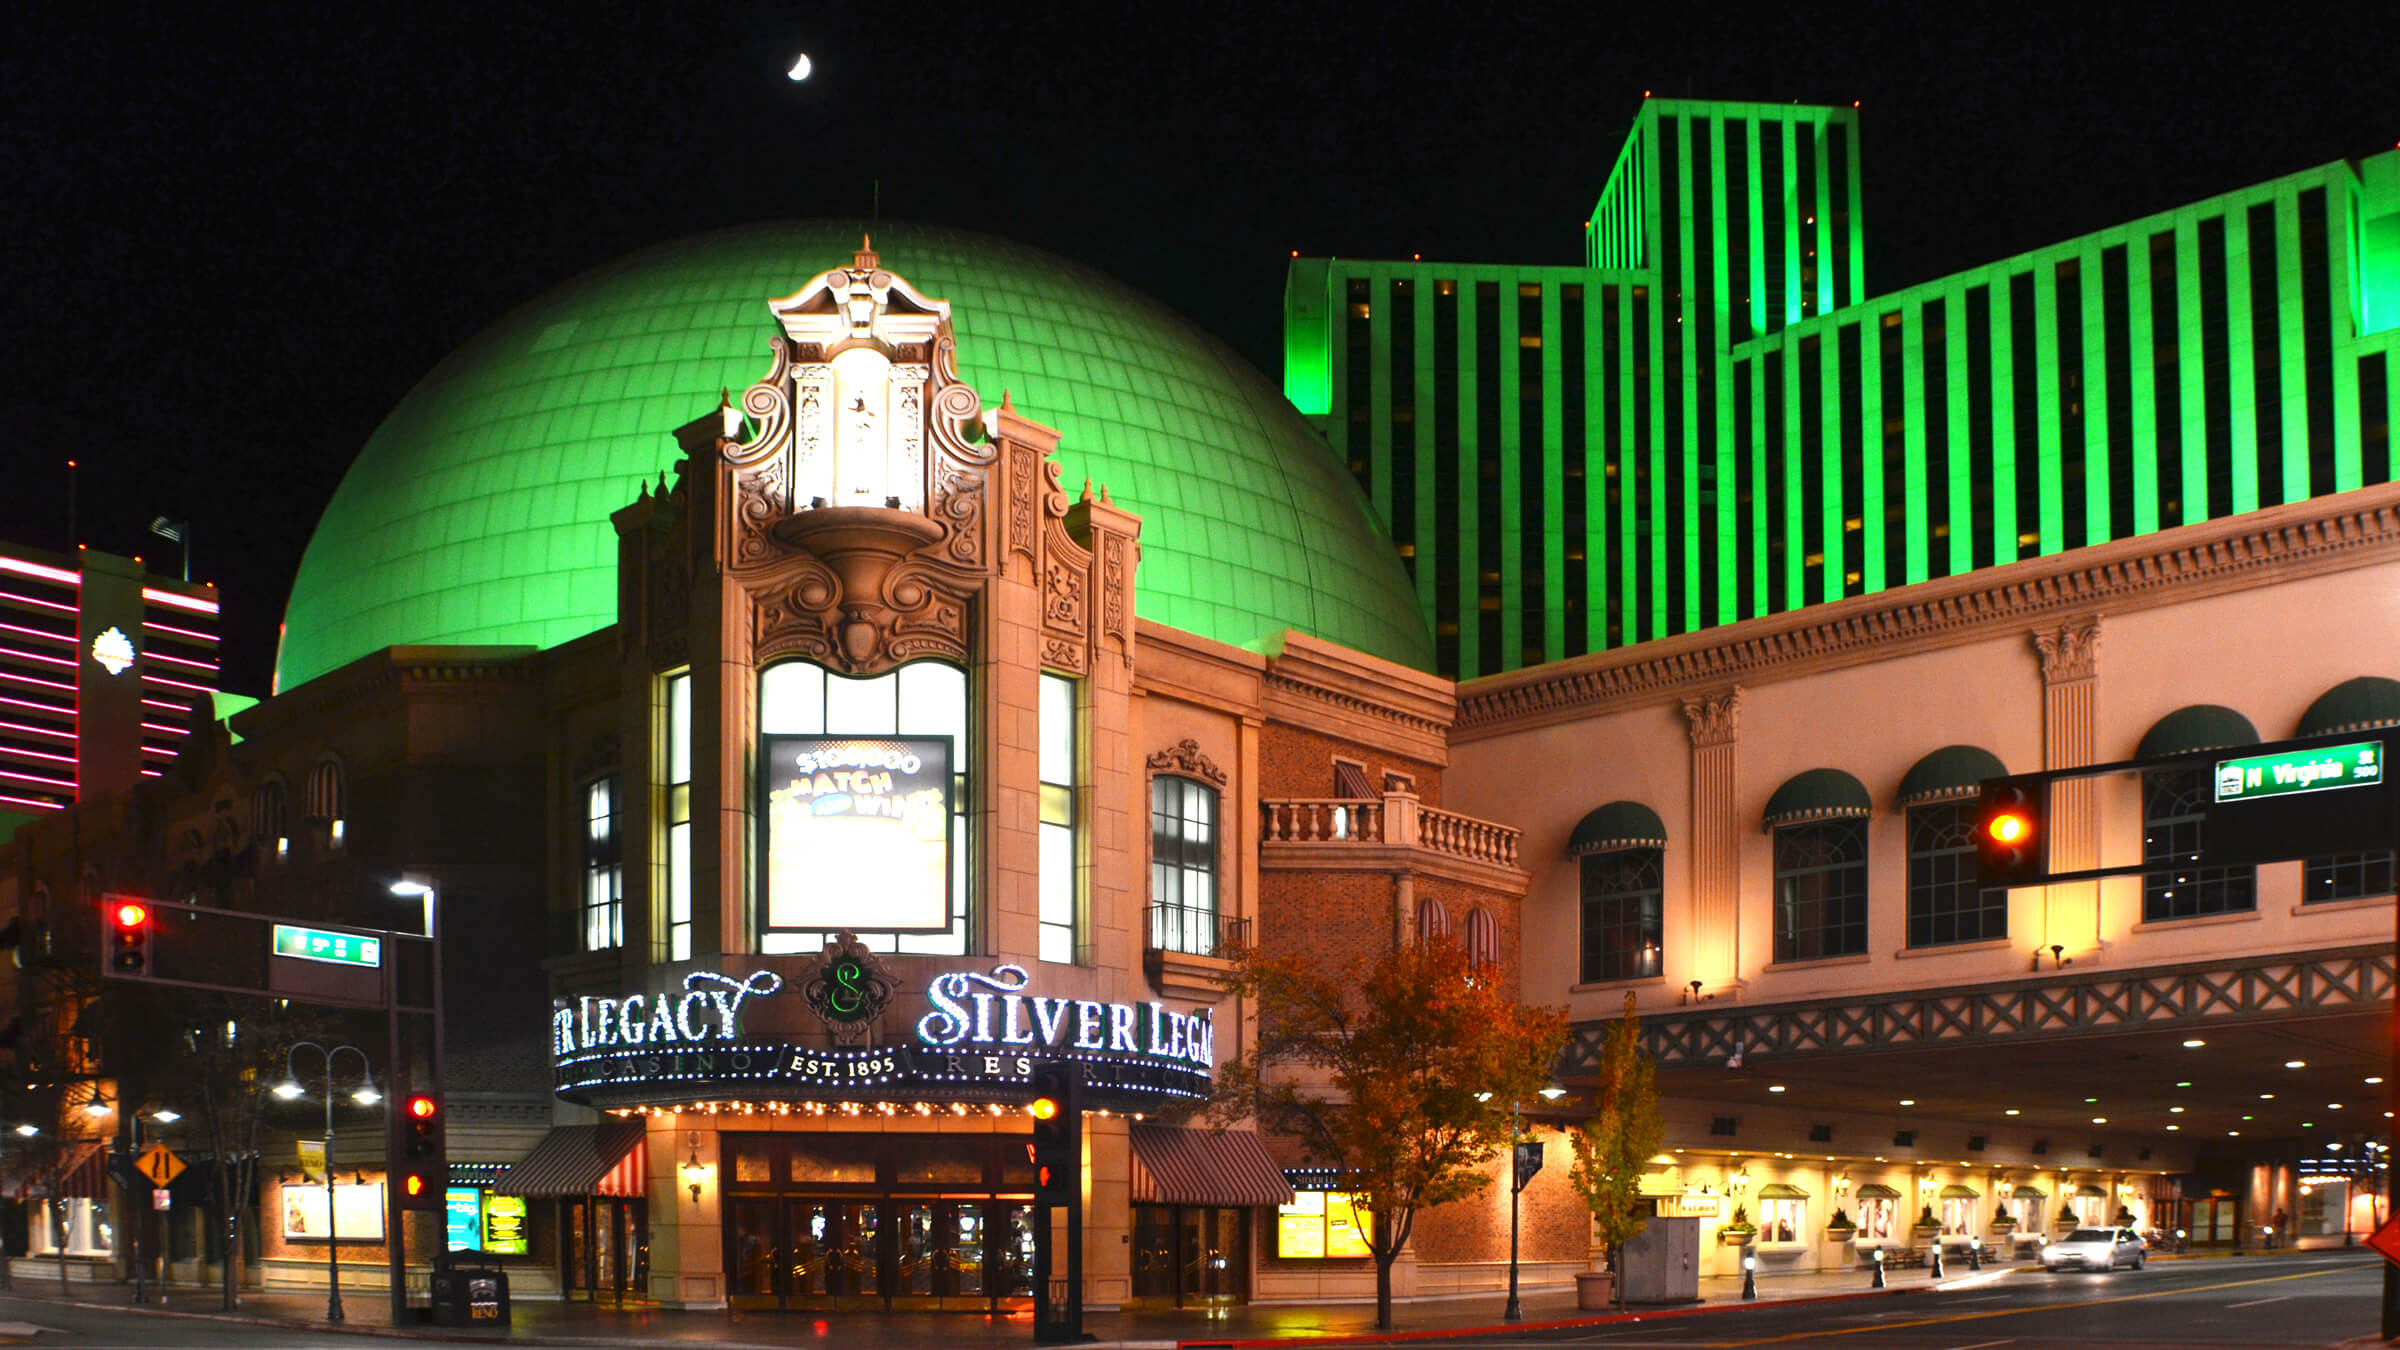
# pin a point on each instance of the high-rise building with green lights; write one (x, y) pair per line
(1711, 419)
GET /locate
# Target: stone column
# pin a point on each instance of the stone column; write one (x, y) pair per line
(1715, 723)
(2070, 656)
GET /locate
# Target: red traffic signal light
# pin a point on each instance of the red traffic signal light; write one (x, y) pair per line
(125, 937)
(2010, 825)
(421, 1107)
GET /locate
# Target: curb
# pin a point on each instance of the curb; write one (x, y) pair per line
(1563, 1324)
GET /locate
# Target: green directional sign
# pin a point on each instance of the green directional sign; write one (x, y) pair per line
(318, 944)
(2297, 771)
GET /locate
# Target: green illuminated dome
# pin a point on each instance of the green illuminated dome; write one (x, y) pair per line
(478, 512)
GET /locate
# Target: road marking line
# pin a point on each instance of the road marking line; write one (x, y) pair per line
(1985, 1345)
(2046, 1307)
(2256, 1301)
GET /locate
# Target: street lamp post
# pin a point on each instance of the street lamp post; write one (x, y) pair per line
(366, 1095)
(1517, 1177)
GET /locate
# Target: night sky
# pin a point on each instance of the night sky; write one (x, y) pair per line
(235, 237)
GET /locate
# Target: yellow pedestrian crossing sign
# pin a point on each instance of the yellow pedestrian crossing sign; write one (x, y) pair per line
(159, 1164)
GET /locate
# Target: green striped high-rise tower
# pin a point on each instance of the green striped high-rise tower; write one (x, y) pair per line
(1711, 419)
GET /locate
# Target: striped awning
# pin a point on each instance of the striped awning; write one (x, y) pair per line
(579, 1160)
(1177, 1166)
(1951, 773)
(80, 1173)
(1615, 826)
(1819, 794)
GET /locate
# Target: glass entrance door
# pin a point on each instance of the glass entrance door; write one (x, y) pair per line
(1188, 1255)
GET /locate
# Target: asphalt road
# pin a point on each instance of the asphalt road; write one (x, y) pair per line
(35, 1322)
(2299, 1300)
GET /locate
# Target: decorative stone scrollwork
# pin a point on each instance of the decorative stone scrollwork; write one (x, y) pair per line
(1184, 757)
(2071, 651)
(1062, 594)
(1064, 654)
(1715, 718)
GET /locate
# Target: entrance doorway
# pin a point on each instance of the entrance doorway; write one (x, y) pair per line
(607, 1255)
(855, 1221)
(1190, 1255)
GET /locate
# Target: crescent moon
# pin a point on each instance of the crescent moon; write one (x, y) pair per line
(800, 68)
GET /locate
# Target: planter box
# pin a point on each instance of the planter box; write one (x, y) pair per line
(1736, 1239)
(1840, 1234)
(1595, 1290)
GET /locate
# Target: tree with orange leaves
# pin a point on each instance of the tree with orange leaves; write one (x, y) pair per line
(1398, 1072)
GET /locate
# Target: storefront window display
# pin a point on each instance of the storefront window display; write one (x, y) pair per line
(1322, 1224)
(86, 1227)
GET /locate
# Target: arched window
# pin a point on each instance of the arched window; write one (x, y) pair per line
(1433, 921)
(1622, 848)
(1623, 924)
(1819, 819)
(1945, 903)
(2175, 805)
(324, 800)
(2362, 704)
(1483, 938)
(270, 821)
(1183, 865)
(896, 876)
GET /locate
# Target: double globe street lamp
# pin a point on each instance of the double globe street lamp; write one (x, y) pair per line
(365, 1095)
(1519, 1174)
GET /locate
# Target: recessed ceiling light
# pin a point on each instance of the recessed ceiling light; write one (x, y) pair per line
(2011, 1111)
(2376, 1079)
(2249, 1117)
(2174, 1127)
(2194, 1043)
(2089, 1100)
(1908, 1101)
(2236, 1133)
(2266, 1096)
(2308, 1124)
(2099, 1120)
(2333, 1106)
(1776, 1088)
(2174, 1110)
(2295, 1064)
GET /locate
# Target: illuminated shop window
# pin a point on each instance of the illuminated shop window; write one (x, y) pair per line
(1058, 758)
(1958, 1211)
(1945, 903)
(1183, 865)
(1877, 1216)
(2028, 1207)
(863, 808)
(2174, 807)
(678, 815)
(1623, 928)
(86, 1227)
(1322, 1225)
(603, 870)
(1783, 1218)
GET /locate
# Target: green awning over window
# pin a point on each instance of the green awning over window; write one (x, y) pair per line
(2091, 1192)
(1617, 825)
(1949, 773)
(2353, 705)
(1819, 794)
(1776, 1190)
(1876, 1190)
(2202, 726)
(2029, 1193)
(1954, 1191)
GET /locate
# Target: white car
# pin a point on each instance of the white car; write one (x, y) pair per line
(2095, 1249)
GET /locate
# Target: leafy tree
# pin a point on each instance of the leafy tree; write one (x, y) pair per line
(1623, 1133)
(1398, 1072)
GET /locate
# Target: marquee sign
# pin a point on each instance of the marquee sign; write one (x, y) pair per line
(980, 1038)
(857, 832)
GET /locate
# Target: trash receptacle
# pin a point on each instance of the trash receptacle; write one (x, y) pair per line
(466, 1296)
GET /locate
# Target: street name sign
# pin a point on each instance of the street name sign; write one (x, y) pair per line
(319, 944)
(2328, 769)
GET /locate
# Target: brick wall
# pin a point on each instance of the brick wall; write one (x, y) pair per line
(1294, 762)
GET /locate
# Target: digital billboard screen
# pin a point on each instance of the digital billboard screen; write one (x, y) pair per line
(857, 832)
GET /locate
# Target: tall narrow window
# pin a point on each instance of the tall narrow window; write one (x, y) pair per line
(1433, 921)
(1059, 854)
(1183, 866)
(1945, 903)
(2174, 806)
(603, 870)
(1820, 890)
(678, 815)
(1622, 914)
(894, 870)
(1483, 938)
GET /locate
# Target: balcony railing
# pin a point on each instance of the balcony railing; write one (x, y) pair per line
(1194, 930)
(1395, 818)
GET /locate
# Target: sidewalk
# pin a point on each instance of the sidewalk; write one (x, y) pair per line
(571, 1324)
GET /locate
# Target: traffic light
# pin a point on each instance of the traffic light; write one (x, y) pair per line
(1057, 1147)
(424, 1174)
(129, 924)
(2012, 831)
